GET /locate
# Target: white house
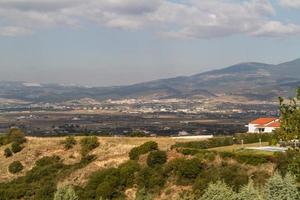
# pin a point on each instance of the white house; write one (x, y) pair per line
(263, 125)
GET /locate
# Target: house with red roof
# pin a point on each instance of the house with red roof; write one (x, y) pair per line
(263, 125)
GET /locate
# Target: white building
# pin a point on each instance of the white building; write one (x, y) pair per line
(263, 125)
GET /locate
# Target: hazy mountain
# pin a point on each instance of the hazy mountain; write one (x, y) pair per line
(252, 80)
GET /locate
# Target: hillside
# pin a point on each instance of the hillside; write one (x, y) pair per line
(129, 168)
(256, 81)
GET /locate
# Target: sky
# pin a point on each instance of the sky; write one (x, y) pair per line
(120, 42)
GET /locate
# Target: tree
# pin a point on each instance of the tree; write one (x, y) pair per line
(219, 191)
(278, 188)
(290, 118)
(156, 158)
(7, 152)
(16, 135)
(248, 192)
(65, 193)
(69, 142)
(15, 167)
(16, 147)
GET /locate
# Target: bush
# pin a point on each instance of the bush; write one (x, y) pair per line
(219, 191)
(88, 144)
(151, 179)
(234, 175)
(65, 193)
(156, 158)
(3, 140)
(15, 167)
(206, 144)
(186, 170)
(127, 173)
(7, 152)
(16, 135)
(69, 142)
(248, 157)
(135, 153)
(16, 147)
(278, 188)
(253, 137)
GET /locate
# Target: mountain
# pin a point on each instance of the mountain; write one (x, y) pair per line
(257, 81)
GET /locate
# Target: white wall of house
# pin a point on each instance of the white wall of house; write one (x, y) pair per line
(253, 129)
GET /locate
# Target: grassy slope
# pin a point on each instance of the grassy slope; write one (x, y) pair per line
(111, 152)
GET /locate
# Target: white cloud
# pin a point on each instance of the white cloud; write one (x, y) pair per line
(290, 3)
(13, 31)
(191, 19)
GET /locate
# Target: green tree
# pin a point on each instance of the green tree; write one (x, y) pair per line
(278, 188)
(248, 192)
(65, 193)
(16, 147)
(156, 158)
(289, 118)
(219, 191)
(15, 167)
(7, 152)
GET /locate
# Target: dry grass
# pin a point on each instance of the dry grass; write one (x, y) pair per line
(111, 152)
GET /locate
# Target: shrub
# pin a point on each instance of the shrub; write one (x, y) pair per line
(185, 169)
(88, 144)
(69, 142)
(16, 135)
(278, 188)
(253, 137)
(151, 179)
(232, 174)
(3, 140)
(219, 191)
(15, 167)
(127, 173)
(156, 158)
(206, 144)
(252, 159)
(103, 184)
(65, 193)
(7, 152)
(143, 149)
(16, 147)
(249, 192)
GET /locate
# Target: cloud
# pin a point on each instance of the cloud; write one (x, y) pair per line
(14, 31)
(184, 19)
(290, 3)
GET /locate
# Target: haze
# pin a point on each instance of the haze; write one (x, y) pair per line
(118, 42)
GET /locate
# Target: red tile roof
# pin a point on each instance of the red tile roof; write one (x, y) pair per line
(263, 121)
(274, 124)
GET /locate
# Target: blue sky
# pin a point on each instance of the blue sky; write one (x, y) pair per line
(116, 42)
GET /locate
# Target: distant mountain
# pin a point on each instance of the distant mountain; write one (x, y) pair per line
(256, 81)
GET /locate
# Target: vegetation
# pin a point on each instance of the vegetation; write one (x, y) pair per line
(69, 142)
(290, 118)
(156, 158)
(7, 152)
(40, 182)
(16, 147)
(15, 167)
(16, 135)
(143, 149)
(65, 193)
(87, 144)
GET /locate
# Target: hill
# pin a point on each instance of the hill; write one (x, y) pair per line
(256, 81)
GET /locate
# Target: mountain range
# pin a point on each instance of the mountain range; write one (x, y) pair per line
(255, 81)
